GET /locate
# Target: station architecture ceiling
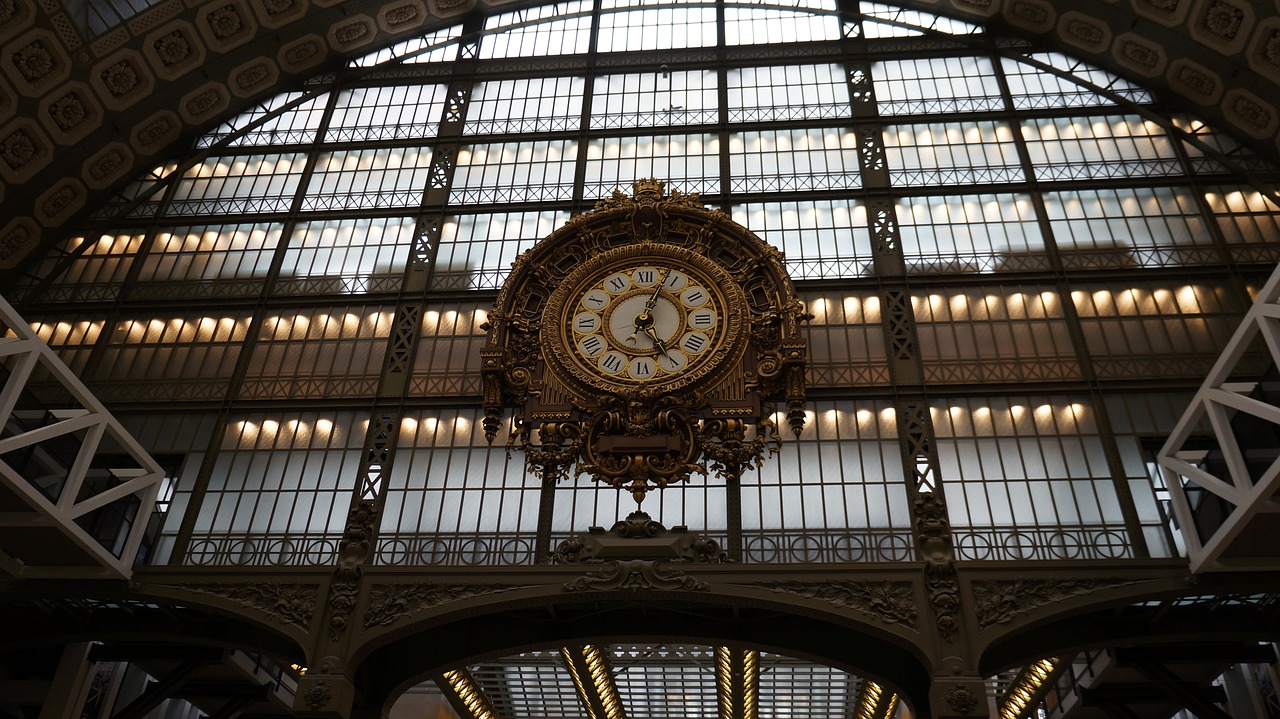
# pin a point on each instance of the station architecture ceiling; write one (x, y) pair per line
(85, 105)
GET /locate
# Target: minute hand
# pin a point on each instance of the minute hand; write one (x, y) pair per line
(657, 290)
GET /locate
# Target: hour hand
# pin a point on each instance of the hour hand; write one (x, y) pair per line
(657, 342)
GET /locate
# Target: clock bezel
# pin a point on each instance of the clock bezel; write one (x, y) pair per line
(563, 304)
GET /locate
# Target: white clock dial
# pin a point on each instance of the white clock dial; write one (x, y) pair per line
(694, 296)
(642, 368)
(675, 281)
(623, 324)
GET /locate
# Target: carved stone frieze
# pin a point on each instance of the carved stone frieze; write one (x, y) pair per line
(389, 603)
(890, 602)
(999, 602)
(636, 575)
(638, 536)
(286, 603)
(353, 552)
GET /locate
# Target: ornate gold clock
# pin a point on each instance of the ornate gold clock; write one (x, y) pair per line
(643, 342)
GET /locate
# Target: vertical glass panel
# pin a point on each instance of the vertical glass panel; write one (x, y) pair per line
(1082, 148)
(1033, 87)
(295, 126)
(453, 498)
(238, 184)
(820, 238)
(846, 340)
(325, 352)
(616, 162)
(1027, 478)
(993, 334)
(140, 197)
(1212, 152)
(476, 251)
(535, 31)
(1248, 221)
(778, 160)
(758, 26)
(436, 47)
(1129, 227)
(72, 340)
(394, 112)
(951, 154)
(514, 172)
(372, 178)
(1142, 423)
(836, 494)
(787, 92)
(970, 233)
(552, 104)
(346, 256)
(173, 357)
(279, 490)
(654, 99)
(935, 85)
(179, 442)
(1154, 329)
(100, 269)
(208, 261)
(657, 29)
(581, 503)
(447, 361)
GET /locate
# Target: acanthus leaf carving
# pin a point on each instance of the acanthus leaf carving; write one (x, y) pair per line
(999, 602)
(891, 602)
(286, 603)
(389, 603)
(635, 575)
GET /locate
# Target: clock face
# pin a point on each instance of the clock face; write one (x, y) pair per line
(646, 319)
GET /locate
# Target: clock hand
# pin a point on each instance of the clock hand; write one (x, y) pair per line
(657, 290)
(653, 335)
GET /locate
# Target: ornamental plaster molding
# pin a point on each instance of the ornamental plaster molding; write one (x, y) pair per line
(890, 602)
(107, 165)
(1000, 602)
(635, 575)
(1083, 31)
(1250, 113)
(15, 16)
(70, 113)
(1263, 53)
(1037, 16)
(278, 13)
(1169, 13)
(1195, 81)
(17, 239)
(174, 50)
(1223, 25)
(24, 151)
(290, 604)
(226, 24)
(35, 62)
(1140, 54)
(122, 79)
(57, 204)
(389, 603)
